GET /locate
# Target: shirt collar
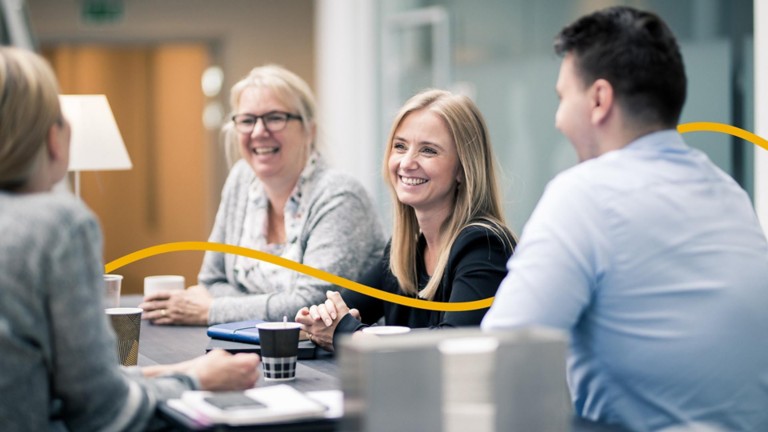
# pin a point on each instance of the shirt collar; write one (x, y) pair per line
(668, 140)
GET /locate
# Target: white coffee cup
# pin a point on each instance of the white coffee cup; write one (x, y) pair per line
(386, 330)
(153, 284)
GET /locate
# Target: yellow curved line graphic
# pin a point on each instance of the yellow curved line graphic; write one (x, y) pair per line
(724, 128)
(328, 277)
(363, 289)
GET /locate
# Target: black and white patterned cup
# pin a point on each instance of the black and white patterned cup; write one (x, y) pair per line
(279, 349)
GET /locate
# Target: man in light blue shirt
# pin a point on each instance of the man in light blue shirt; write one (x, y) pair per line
(646, 252)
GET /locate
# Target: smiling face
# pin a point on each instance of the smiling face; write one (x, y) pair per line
(423, 164)
(273, 156)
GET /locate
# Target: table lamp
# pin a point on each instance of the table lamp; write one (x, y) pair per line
(96, 143)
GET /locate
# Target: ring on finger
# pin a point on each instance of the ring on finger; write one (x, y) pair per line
(163, 312)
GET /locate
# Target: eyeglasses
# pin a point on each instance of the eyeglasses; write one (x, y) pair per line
(274, 121)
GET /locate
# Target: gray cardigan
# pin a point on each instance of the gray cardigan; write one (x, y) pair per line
(58, 352)
(330, 225)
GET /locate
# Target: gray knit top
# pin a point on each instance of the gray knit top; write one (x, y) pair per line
(58, 355)
(330, 225)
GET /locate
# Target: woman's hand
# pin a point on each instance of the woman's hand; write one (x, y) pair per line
(188, 307)
(320, 321)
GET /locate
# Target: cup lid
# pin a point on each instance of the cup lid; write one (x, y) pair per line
(386, 330)
(123, 310)
(278, 325)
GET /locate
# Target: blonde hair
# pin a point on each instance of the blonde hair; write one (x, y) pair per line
(477, 202)
(288, 87)
(29, 106)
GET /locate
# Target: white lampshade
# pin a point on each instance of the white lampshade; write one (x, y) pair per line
(96, 143)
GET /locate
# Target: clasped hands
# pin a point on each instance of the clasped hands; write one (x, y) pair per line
(320, 321)
(189, 306)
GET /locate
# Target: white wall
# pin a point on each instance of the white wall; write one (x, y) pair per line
(346, 59)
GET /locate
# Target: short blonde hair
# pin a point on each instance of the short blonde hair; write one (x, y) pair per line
(29, 106)
(287, 86)
(477, 198)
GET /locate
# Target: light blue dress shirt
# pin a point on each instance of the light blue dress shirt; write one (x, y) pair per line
(654, 260)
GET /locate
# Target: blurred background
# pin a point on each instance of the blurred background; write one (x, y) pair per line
(166, 67)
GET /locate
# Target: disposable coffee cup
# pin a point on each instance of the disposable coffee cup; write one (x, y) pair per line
(112, 290)
(279, 349)
(153, 284)
(386, 330)
(126, 323)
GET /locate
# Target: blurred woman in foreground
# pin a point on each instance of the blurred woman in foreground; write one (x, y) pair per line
(59, 356)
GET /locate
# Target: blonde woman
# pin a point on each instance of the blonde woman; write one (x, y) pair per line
(449, 241)
(280, 198)
(59, 356)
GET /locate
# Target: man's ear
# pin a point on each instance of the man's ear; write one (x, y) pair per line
(601, 95)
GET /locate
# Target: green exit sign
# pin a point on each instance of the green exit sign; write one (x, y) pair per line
(102, 11)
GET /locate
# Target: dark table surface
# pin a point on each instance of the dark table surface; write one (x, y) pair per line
(171, 344)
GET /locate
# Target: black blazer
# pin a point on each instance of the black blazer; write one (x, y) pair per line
(474, 271)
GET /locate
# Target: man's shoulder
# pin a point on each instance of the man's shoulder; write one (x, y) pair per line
(583, 177)
(611, 173)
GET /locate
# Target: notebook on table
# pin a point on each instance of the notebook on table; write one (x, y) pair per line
(243, 336)
(240, 331)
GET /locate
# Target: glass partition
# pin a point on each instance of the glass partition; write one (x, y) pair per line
(501, 55)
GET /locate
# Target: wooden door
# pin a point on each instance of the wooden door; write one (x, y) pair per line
(155, 95)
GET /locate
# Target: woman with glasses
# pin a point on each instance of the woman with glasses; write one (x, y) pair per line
(279, 198)
(449, 241)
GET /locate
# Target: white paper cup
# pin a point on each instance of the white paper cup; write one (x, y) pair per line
(153, 284)
(386, 330)
(112, 284)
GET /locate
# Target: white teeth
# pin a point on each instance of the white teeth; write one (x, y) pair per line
(265, 150)
(412, 181)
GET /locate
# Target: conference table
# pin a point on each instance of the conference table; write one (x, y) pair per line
(171, 344)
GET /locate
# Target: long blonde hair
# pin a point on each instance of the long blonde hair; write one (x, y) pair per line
(477, 202)
(288, 87)
(29, 106)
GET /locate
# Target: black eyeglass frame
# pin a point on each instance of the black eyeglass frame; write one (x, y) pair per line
(263, 117)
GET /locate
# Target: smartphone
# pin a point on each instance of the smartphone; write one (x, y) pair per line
(233, 401)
